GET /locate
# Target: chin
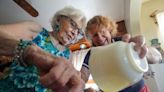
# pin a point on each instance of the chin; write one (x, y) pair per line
(67, 43)
(100, 44)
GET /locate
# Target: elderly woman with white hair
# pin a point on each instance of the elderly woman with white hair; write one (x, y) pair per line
(23, 76)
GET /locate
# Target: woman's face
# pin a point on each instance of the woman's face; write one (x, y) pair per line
(100, 36)
(67, 33)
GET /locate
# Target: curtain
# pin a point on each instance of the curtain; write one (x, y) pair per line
(160, 20)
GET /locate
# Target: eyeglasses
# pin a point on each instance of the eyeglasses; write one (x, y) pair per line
(75, 28)
(72, 22)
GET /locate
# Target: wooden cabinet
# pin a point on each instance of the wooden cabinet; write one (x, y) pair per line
(121, 28)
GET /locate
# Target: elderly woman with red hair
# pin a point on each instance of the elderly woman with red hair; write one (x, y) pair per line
(101, 31)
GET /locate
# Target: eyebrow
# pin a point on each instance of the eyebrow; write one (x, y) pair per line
(72, 22)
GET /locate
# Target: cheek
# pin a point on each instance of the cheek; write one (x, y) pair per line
(108, 36)
(59, 36)
(94, 40)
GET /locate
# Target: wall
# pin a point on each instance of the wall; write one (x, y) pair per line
(127, 15)
(135, 14)
(132, 16)
(11, 12)
(148, 28)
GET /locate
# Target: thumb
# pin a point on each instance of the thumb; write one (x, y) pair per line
(76, 84)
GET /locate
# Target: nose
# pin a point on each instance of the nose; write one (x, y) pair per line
(64, 32)
(71, 35)
(100, 37)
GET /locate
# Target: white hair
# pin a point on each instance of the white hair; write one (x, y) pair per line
(75, 14)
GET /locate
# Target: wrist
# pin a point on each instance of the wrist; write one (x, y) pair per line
(19, 52)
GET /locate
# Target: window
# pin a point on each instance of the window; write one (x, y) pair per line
(160, 19)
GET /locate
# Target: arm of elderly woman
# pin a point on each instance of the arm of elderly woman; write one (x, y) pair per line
(12, 33)
(7, 43)
(56, 72)
(22, 30)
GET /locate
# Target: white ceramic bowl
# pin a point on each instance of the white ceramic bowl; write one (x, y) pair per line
(116, 66)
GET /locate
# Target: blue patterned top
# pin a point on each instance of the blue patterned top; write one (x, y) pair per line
(26, 79)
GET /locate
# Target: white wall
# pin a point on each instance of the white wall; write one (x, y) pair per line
(132, 16)
(135, 15)
(11, 12)
(127, 15)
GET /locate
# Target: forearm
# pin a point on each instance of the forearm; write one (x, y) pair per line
(7, 43)
(10, 34)
(26, 30)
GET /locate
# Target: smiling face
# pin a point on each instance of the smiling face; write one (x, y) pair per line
(67, 32)
(100, 36)
(100, 29)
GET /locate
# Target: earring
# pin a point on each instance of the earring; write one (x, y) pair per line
(57, 27)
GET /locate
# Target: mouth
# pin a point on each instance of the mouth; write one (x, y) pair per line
(67, 40)
(101, 43)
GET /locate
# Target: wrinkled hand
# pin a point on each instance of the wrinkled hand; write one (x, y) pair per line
(56, 72)
(139, 41)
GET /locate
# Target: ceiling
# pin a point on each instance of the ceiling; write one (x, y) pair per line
(10, 11)
(144, 1)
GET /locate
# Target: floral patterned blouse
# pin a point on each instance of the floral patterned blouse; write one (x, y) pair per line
(26, 79)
